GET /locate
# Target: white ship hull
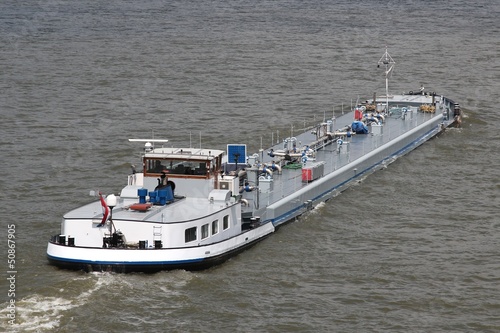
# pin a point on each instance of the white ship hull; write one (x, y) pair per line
(153, 260)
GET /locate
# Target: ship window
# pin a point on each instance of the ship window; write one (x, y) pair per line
(215, 227)
(175, 167)
(225, 223)
(190, 234)
(204, 231)
(154, 166)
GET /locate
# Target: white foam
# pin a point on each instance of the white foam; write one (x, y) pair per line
(39, 313)
(319, 206)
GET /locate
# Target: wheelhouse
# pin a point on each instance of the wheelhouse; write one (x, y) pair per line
(183, 163)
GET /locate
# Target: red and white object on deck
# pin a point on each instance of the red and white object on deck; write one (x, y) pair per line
(358, 113)
(312, 171)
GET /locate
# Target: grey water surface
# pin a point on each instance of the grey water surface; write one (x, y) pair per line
(412, 248)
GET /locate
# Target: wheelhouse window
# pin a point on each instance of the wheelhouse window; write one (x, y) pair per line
(190, 234)
(225, 222)
(215, 227)
(176, 167)
(204, 231)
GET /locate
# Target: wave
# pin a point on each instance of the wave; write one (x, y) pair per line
(39, 313)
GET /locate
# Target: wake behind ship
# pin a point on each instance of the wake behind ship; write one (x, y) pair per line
(190, 208)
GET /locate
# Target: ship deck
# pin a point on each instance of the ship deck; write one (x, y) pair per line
(353, 148)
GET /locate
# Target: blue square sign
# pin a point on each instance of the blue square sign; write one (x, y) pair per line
(236, 154)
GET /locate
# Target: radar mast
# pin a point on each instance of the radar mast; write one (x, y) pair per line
(389, 65)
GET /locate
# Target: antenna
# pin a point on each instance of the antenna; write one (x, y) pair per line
(147, 140)
(389, 65)
(149, 143)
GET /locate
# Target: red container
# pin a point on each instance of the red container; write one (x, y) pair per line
(358, 114)
(312, 171)
(307, 175)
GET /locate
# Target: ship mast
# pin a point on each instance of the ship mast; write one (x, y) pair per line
(389, 65)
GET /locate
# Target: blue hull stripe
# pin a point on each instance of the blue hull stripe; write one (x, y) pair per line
(128, 263)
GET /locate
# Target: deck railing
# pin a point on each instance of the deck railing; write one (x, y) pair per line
(291, 180)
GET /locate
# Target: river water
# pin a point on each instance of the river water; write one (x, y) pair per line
(412, 248)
